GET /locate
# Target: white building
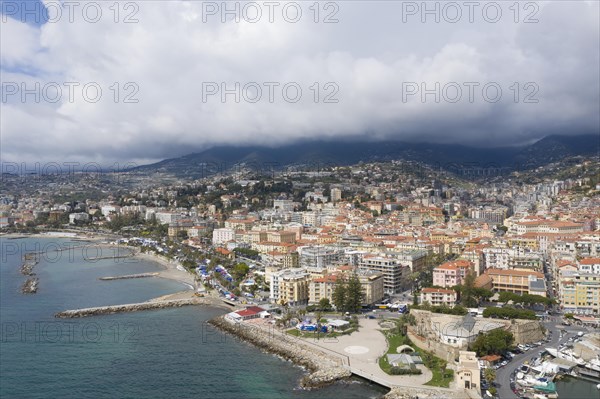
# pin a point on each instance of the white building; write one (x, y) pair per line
(319, 256)
(283, 205)
(336, 194)
(221, 236)
(167, 217)
(108, 209)
(395, 275)
(82, 217)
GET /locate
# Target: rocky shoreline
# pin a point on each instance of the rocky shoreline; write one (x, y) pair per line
(323, 370)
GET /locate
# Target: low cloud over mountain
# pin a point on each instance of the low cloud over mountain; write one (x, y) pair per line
(174, 78)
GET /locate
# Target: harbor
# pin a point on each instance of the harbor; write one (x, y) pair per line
(578, 359)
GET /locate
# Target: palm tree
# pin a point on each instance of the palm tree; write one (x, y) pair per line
(490, 375)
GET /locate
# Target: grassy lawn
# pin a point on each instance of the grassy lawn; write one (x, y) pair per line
(441, 377)
(394, 341)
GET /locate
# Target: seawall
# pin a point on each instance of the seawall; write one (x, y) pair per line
(323, 369)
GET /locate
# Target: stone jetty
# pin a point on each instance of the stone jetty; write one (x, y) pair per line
(323, 369)
(131, 307)
(140, 275)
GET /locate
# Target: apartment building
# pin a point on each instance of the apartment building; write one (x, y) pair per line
(546, 226)
(336, 195)
(590, 265)
(240, 224)
(395, 275)
(512, 258)
(285, 259)
(450, 274)
(580, 292)
(322, 287)
(290, 286)
(579, 286)
(221, 236)
(371, 285)
(283, 205)
(414, 259)
(320, 256)
(281, 236)
(489, 214)
(438, 296)
(516, 281)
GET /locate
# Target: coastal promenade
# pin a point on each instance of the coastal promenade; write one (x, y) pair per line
(359, 353)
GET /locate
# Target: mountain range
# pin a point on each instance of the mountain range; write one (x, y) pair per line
(316, 154)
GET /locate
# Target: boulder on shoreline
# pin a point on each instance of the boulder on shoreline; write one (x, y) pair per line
(323, 370)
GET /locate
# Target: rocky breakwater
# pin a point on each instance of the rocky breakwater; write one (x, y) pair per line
(27, 268)
(30, 286)
(130, 307)
(323, 369)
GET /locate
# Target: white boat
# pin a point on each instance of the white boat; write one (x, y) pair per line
(593, 364)
(565, 355)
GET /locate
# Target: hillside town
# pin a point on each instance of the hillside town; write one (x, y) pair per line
(473, 280)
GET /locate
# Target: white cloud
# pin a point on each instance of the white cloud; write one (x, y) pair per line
(370, 54)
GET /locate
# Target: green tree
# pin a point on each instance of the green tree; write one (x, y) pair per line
(509, 313)
(339, 294)
(468, 292)
(240, 271)
(495, 342)
(354, 295)
(324, 305)
(404, 321)
(490, 375)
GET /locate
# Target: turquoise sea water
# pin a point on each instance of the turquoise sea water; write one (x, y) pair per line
(152, 354)
(573, 388)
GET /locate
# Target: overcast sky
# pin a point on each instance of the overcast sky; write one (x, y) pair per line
(361, 75)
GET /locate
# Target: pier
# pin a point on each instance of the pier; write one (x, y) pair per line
(128, 276)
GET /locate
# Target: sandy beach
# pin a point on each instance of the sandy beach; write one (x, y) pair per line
(170, 270)
(109, 249)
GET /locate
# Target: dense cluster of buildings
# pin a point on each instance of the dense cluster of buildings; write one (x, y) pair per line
(383, 221)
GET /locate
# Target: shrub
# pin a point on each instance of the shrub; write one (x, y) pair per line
(395, 370)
